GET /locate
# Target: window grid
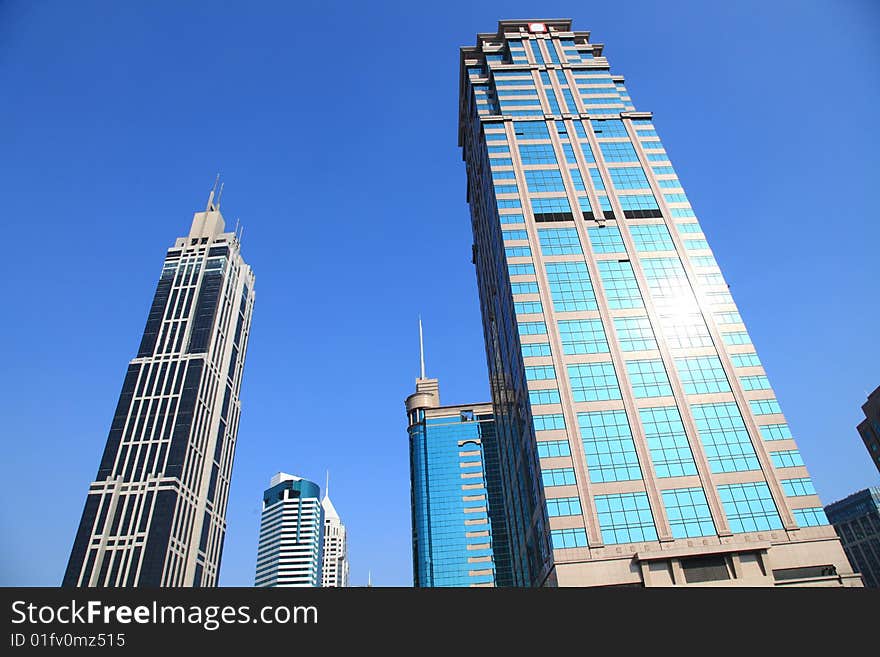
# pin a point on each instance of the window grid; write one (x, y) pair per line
(634, 333)
(725, 438)
(582, 336)
(749, 507)
(608, 446)
(648, 378)
(625, 518)
(688, 513)
(593, 382)
(667, 442)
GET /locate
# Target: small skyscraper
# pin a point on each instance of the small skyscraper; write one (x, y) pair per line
(869, 428)
(452, 521)
(856, 520)
(641, 443)
(334, 571)
(291, 533)
(156, 513)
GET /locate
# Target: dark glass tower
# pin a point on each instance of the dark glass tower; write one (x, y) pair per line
(156, 513)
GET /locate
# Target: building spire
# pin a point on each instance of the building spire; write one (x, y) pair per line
(210, 205)
(327, 485)
(421, 349)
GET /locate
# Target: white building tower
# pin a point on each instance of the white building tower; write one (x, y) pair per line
(291, 533)
(335, 568)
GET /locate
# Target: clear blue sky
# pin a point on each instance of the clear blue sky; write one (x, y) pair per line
(116, 116)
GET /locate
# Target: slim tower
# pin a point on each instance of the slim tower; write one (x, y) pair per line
(640, 440)
(334, 571)
(156, 513)
(454, 485)
(291, 533)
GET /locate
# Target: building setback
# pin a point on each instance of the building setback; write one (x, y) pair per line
(857, 521)
(639, 440)
(156, 513)
(334, 571)
(291, 533)
(869, 428)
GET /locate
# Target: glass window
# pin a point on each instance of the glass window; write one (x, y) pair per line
(559, 241)
(521, 269)
(618, 152)
(652, 237)
(625, 518)
(736, 337)
(688, 513)
(553, 448)
(787, 459)
(810, 517)
(542, 397)
(518, 252)
(724, 437)
(558, 477)
(619, 281)
(685, 330)
(582, 336)
(757, 382)
(593, 382)
(524, 288)
(570, 286)
(749, 507)
(798, 487)
(527, 307)
(548, 422)
(775, 432)
(532, 328)
(568, 538)
(667, 441)
(648, 378)
(634, 333)
(563, 506)
(535, 349)
(540, 373)
(551, 209)
(628, 178)
(765, 406)
(531, 129)
(606, 239)
(702, 375)
(608, 128)
(608, 446)
(544, 180)
(537, 154)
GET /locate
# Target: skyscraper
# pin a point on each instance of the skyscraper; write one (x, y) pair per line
(857, 521)
(639, 435)
(156, 513)
(334, 570)
(291, 533)
(869, 428)
(452, 472)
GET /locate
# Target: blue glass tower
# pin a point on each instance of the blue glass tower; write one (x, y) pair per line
(458, 523)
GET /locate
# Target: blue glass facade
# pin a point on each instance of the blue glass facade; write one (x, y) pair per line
(452, 523)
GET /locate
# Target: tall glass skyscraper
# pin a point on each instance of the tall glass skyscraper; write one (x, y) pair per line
(457, 515)
(156, 513)
(290, 552)
(640, 442)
